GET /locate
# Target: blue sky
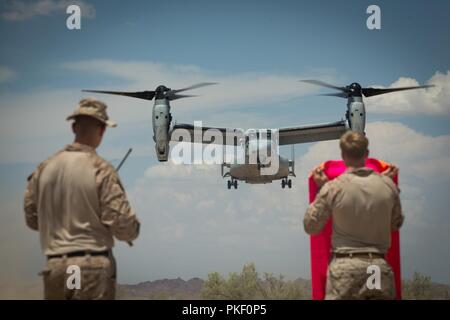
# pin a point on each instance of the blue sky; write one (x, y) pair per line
(257, 50)
(232, 36)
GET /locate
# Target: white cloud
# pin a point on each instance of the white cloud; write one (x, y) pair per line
(168, 170)
(430, 101)
(7, 74)
(418, 155)
(29, 114)
(31, 123)
(19, 10)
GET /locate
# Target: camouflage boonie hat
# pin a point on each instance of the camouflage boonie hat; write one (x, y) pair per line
(93, 108)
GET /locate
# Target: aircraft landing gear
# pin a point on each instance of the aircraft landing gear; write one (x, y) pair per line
(286, 182)
(232, 183)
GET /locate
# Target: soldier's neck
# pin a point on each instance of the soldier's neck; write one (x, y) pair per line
(86, 142)
(354, 165)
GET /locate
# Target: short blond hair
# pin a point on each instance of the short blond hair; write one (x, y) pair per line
(354, 144)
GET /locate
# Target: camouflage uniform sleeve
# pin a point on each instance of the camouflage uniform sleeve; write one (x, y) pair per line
(115, 208)
(397, 217)
(30, 202)
(319, 211)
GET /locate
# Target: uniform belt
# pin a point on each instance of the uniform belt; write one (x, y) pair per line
(79, 254)
(367, 255)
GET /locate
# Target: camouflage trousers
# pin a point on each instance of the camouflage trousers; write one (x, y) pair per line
(347, 279)
(97, 278)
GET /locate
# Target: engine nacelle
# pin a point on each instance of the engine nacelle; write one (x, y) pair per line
(161, 125)
(356, 114)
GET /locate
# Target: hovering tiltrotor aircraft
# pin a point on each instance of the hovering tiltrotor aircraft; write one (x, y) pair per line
(259, 145)
(252, 141)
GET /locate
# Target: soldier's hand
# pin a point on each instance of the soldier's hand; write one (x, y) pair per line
(390, 172)
(319, 177)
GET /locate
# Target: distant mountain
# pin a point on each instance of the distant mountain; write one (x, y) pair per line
(191, 289)
(162, 289)
(177, 289)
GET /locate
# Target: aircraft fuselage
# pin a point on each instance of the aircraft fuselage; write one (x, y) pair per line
(263, 164)
(251, 173)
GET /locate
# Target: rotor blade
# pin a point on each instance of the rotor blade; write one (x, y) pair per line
(179, 96)
(146, 95)
(195, 86)
(323, 84)
(340, 95)
(369, 92)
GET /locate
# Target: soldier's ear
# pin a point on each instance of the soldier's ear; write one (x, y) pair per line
(367, 153)
(102, 130)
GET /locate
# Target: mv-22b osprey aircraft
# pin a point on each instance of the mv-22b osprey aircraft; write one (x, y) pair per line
(255, 142)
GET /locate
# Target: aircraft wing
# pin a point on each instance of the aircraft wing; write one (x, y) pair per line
(312, 133)
(229, 136)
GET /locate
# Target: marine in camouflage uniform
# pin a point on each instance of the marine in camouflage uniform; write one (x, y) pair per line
(77, 203)
(365, 208)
